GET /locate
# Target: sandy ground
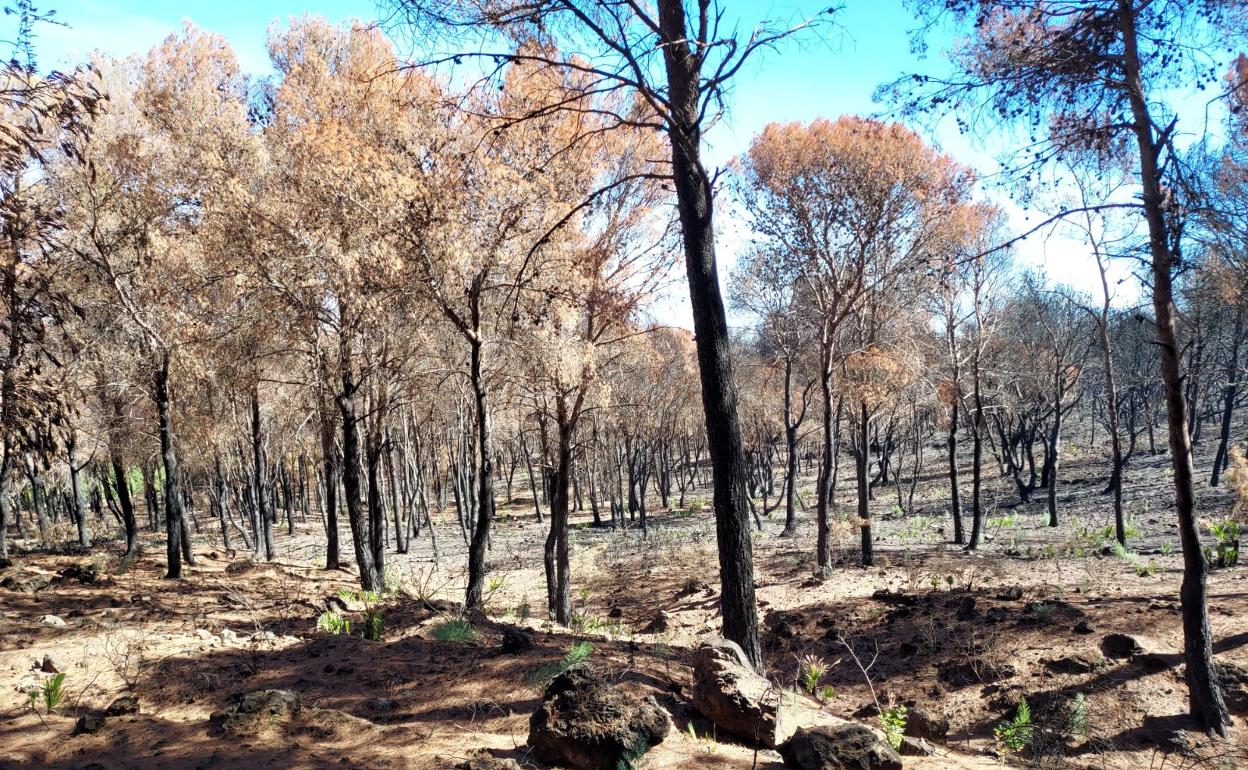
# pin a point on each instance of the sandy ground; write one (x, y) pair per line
(964, 635)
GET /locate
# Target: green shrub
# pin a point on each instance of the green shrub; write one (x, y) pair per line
(51, 692)
(1043, 610)
(374, 624)
(576, 654)
(1226, 553)
(893, 722)
(455, 630)
(1015, 733)
(810, 670)
(331, 622)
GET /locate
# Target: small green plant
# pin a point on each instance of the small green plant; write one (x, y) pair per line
(493, 586)
(1226, 553)
(577, 654)
(331, 622)
(709, 745)
(1043, 611)
(1077, 721)
(1015, 733)
(1141, 567)
(374, 624)
(391, 582)
(696, 505)
(893, 723)
(455, 630)
(51, 692)
(1167, 548)
(810, 670)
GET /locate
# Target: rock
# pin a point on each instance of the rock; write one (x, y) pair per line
(126, 704)
(5, 562)
(894, 597)
(1234, 685)
(915, 747)
(1074, 664)
(659, 624)
(89, 723)
(29, 584)
(52, 620)
(51, 665)
(692, 587)
(922, 724)
(255, 709)
(842, 747)
(1084, 627)
(346, 602)
(1152, 662)
(1120, 646)
(484, 760)
(1010, 594)
(585, 722)
(729, 693)
(517, 640)
(85, 575)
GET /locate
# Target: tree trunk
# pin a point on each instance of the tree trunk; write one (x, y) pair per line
(264, 528)
(475, 593)
(790, 445)
(719, 395)
(169, 459)
(122, 485)
(864, 510)
(1204, 694)
(955, 503)
(369, 579)
(1229, 391)
(330, 506)
(75, 484)
(1052, 461)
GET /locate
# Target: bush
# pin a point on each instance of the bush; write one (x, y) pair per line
(331, 622)
(455, 630)
(52, 693)
(1015, 734)
(577, 654)
(373, 624)
(1226, 552)
(893, 722)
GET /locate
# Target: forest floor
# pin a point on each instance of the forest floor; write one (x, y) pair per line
(949, 632)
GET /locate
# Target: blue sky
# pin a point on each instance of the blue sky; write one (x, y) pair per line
(832, 75)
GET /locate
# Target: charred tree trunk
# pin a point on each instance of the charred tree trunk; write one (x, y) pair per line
(370, 580)
(1222, 459)
(1204, 693)
(174, 546)
(719, 396)
(264, 521)
(474, 595)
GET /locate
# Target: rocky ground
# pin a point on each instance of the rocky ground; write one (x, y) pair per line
(227, 669)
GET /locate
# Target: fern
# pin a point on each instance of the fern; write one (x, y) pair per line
(1015, 733)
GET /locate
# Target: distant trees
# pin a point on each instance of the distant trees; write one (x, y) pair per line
(848, 213)
(1089, 76)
